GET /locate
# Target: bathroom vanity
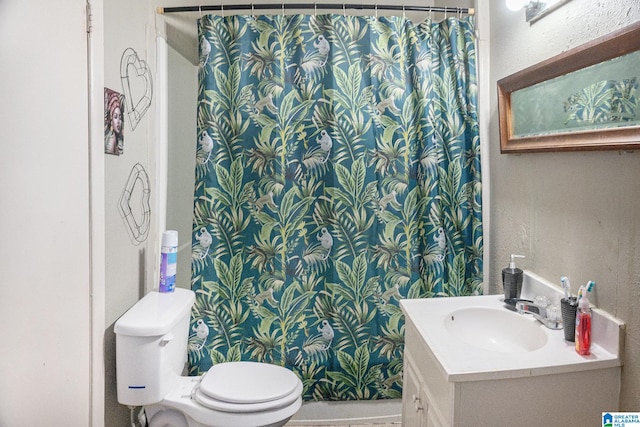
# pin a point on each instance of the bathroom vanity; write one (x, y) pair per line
(471, 362)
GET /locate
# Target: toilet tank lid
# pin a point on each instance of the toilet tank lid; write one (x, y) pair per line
(156, 313)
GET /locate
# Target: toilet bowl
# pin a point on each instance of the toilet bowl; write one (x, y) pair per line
(239, 394)
(212, 401)
(151, 343)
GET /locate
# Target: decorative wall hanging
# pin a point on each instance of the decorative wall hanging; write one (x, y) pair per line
(113, 122)
(587, 98)
(137, 85)
(134, 205)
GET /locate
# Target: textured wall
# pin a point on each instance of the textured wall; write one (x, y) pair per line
(574, 214)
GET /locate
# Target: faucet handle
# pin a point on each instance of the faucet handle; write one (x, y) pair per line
(553, 313)
(541, 300)
(522, 305)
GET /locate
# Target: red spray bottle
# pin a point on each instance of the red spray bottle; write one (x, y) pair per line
(583, 322)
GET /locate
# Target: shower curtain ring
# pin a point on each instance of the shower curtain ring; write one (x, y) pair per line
(222, 9)
(376, 10)
(253, 12)
(404, 12)
(283, 10)
(344, 10)
(315, 9)
(200, 9)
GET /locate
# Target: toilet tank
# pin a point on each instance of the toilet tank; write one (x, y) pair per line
(151, 346)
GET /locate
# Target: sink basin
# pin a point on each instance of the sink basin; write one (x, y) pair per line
(496, 329)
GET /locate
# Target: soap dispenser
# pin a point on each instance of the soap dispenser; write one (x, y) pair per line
(512, 281)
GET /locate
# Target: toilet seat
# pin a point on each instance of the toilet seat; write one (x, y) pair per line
(244, 387)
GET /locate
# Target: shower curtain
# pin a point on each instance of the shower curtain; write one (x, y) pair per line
(337, 172)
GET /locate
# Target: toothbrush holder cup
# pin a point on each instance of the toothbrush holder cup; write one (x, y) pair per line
(568, 307)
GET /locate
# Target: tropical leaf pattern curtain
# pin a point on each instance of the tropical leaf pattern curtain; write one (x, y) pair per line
(338, 172)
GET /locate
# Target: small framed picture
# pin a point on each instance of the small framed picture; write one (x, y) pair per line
(113, 122)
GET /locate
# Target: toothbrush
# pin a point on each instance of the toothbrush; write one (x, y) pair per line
(590, 285)
(566, 286)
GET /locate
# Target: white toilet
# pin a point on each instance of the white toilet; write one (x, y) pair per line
(151, 351)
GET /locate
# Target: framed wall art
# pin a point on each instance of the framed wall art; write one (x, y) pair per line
(587, 98)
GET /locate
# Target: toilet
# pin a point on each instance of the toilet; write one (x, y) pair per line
(151, 351)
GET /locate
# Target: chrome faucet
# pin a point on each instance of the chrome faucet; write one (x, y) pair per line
(548, 317)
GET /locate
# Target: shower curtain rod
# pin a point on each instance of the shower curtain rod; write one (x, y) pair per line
(315, 6)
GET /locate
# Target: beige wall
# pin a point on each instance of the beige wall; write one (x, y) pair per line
(573, 214)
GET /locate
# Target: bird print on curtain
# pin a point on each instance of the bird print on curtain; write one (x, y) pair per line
(337, 173)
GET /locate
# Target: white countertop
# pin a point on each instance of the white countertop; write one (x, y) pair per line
(461, 361)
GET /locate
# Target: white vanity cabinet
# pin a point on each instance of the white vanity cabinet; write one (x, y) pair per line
(422, 385)
(415, 408)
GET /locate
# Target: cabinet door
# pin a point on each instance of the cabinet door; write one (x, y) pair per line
(413, 403)
(431, 420)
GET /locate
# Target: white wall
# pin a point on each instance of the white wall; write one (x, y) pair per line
(574, 214)
(183, 92)
(45, 319)
(131, 264)
(129, 26)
